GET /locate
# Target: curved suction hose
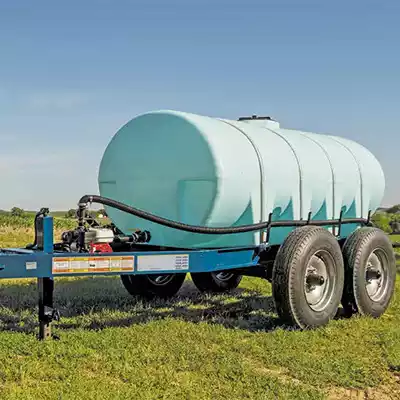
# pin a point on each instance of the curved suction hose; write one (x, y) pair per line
(164, 221)
(202, 229)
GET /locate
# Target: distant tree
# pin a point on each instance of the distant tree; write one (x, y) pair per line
(382, 221)
(17, 212)
(91, 214)
(102, 212)
(394, 209)
(71, 213)
(395, 226)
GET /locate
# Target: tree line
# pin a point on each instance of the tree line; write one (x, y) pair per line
(388, 220)
(19, 212)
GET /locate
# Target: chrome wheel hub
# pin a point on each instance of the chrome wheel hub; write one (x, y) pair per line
(318, 283)
(376, 278)
(160, 280)
(223, 276)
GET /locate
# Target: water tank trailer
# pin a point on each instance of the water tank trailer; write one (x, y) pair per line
(221, 199)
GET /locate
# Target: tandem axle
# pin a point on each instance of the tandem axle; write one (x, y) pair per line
(311, 272)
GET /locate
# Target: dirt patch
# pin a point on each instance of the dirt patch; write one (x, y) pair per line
(387, 392)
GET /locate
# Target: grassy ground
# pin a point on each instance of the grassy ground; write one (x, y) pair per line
(193, 347)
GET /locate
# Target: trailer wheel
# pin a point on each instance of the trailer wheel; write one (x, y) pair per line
(151, 286)
(216, 282)
(308, 277)
(370, 272)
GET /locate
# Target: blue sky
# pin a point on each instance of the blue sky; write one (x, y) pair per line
(72, 73)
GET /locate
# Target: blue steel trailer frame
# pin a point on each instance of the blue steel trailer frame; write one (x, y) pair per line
(24, 263)
(45, 263)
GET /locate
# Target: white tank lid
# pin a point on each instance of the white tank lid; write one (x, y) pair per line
(266, 122)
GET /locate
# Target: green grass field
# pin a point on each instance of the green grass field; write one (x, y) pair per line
(192, 347)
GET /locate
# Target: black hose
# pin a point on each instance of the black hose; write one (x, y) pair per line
(164, 221)
(198, 229)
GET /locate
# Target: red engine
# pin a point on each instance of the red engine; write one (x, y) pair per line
(100, 248)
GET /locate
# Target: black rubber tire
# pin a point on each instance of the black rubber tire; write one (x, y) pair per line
(289, 273)
(356, 252)
(209, 282)
(144, 286)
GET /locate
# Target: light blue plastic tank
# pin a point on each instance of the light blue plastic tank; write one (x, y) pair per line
(214, 172)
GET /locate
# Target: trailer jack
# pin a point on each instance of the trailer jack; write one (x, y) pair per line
(47, 312)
